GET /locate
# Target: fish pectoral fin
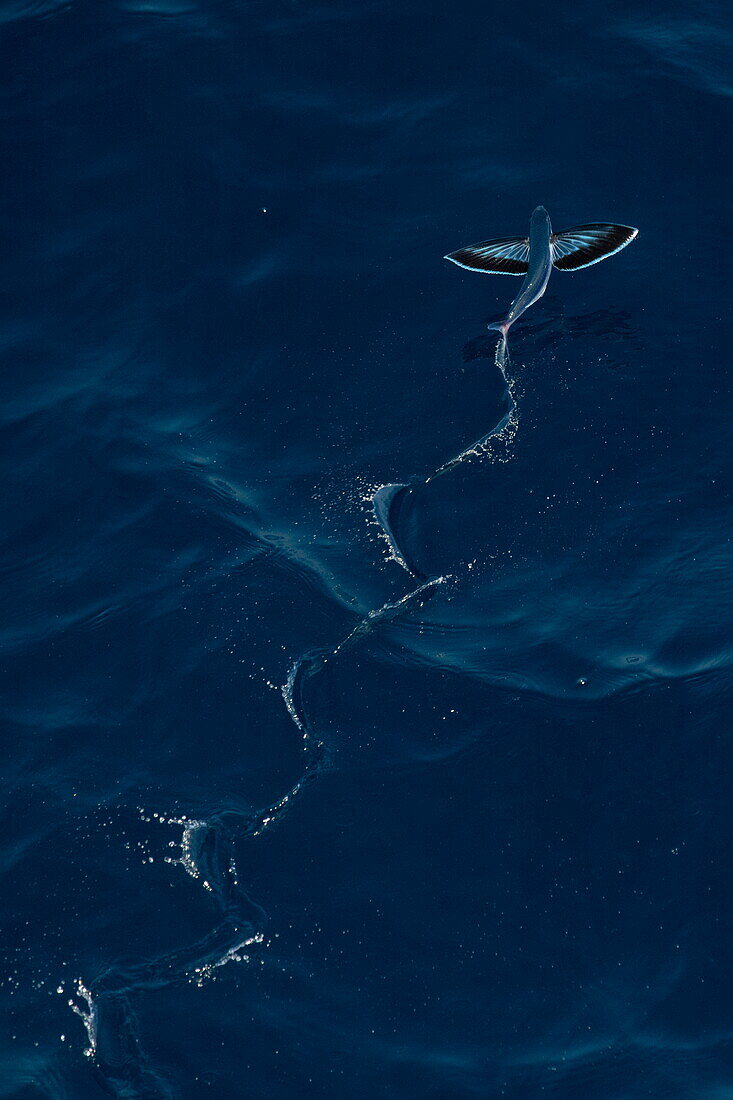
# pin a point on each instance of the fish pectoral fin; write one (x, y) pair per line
(584, 245)
(504, 256)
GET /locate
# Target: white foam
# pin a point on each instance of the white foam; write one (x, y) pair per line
(87, 1012)
(392, 552)
(188, 844)
(276, 809)
(237, 953)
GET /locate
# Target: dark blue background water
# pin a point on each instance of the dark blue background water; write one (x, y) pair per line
(225, 321)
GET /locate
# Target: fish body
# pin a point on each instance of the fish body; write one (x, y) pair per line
(539, 268)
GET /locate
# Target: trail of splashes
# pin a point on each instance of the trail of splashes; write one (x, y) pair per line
(304, 668)
(388, 500)
(207, 856)
(104, 1005)
(120, 1064)
(207, 846)
(501, 434)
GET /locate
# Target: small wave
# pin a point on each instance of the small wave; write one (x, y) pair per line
(31, 9)
(695, 48)
(159, 7)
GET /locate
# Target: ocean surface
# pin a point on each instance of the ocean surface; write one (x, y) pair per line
(365, 694)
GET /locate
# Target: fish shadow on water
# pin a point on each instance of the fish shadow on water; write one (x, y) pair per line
(552, 327)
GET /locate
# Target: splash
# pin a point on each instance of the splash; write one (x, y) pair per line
(192, 829)
(495, 443)
(85, 1009)
(114, 1046)
(105, 1005)
(237, 953)
(273, 813)
(303, 670)
(388, 501)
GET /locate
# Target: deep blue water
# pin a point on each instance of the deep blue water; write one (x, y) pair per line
(484, 849)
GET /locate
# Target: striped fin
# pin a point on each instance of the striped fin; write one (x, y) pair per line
(584, 245)
(505, 256)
